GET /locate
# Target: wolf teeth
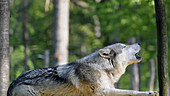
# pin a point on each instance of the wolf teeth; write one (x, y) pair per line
(138, 56)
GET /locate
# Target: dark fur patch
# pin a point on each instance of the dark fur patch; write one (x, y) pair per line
(36, 77)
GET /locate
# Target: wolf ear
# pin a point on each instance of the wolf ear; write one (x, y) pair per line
(104, 53)
(107, 53)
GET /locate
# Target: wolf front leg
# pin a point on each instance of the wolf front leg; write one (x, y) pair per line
(118, 92)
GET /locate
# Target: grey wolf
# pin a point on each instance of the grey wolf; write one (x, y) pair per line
(93, 75)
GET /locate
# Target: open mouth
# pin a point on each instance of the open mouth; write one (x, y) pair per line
(138, 57)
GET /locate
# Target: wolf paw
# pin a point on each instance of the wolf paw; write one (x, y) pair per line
(153, 93)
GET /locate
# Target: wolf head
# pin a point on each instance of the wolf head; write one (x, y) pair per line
(121, 54)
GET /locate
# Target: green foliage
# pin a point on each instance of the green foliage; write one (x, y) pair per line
(119, 20)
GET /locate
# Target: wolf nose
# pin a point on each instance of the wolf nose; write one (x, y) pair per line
(139, 44)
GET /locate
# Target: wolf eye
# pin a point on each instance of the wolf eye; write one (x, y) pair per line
(124, 46)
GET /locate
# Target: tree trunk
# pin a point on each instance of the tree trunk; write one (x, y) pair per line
(134, 71)
(162, 40)
(152, 74)
(134, 77)
(46, 7)
(4, 46)
(26, 34)
(61, 31)
(46, 58)
(139, 70)
(97, 26)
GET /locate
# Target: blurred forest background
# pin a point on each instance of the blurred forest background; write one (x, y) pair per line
(92, 25)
